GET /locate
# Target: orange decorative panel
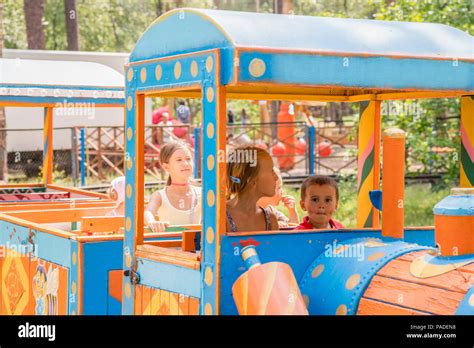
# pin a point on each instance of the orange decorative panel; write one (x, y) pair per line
(15, 283)
(30, 286)
(151, 301)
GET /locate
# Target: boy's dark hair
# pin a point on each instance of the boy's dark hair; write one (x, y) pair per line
(318, 180)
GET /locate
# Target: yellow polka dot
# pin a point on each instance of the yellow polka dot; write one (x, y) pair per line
(208, 309)
(317, 271)
(211, 198)
(130, 75)
(306, 300)
(129, 190)
(128, 290)
(352, 282)
(208, 276)
(143, 75)
(194, 69)
(375, 256)
(74, 258)
(341, 310)
(177, 70)
(129, 102)
(257, 67)
(210, 130)
(128, 261)
(129, 163)
(73, 288)
(210, 235)
(209, 64)
(73, 312)
(471, 300)
(129, 133)
(374, 244)
(210, 94)
(128, 224)
(158, 72)
(210, 162)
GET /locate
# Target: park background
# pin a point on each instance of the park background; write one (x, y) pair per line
(433, 142)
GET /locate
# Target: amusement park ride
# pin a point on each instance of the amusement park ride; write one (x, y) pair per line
(110, 265)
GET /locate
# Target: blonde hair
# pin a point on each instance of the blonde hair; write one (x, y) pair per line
(168, 150)
(241, 173)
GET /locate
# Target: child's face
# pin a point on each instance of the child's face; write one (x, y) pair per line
(180, 165)
(266, 180)
(320, 203)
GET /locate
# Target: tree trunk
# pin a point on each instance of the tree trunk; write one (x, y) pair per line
(286, 6)
(3, 120)
(72, 25)
(34, 10)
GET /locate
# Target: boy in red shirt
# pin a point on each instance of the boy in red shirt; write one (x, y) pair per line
(319, 198)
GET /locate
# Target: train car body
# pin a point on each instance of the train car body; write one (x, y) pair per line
(371, 269)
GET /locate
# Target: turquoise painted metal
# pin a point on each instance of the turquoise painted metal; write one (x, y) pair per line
(337, 279)
(466, 307)
(457, 204)
(350, 54)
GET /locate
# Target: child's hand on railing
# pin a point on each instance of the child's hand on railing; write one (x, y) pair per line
(158, 226)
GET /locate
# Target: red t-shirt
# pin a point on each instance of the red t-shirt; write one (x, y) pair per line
(306, 225)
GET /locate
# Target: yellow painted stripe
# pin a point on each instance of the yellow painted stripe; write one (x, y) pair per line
(464, 181)
(174, 305)
(366, 127)
(364, 206)
(467, 121)
(467, 117)
(164, 302)
(153, 305)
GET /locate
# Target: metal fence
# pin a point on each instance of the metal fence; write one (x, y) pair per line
(297, 149)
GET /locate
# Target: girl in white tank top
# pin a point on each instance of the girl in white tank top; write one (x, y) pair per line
(179, 203)
(168, 212)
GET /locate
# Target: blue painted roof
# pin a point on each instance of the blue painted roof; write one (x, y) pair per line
(317, 51)
(199, 29)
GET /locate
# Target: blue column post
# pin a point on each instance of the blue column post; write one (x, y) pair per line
(83, 157)
(197, 149)
(311, 140)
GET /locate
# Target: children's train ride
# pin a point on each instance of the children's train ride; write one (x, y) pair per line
(99, 264)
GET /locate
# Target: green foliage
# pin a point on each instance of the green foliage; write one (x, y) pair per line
(14, 27)
(456, 13)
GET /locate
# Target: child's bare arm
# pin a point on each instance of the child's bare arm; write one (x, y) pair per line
(150, 211)
(290, 204)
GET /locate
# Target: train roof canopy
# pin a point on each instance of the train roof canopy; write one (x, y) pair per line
(45, 82)
(336, 55)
